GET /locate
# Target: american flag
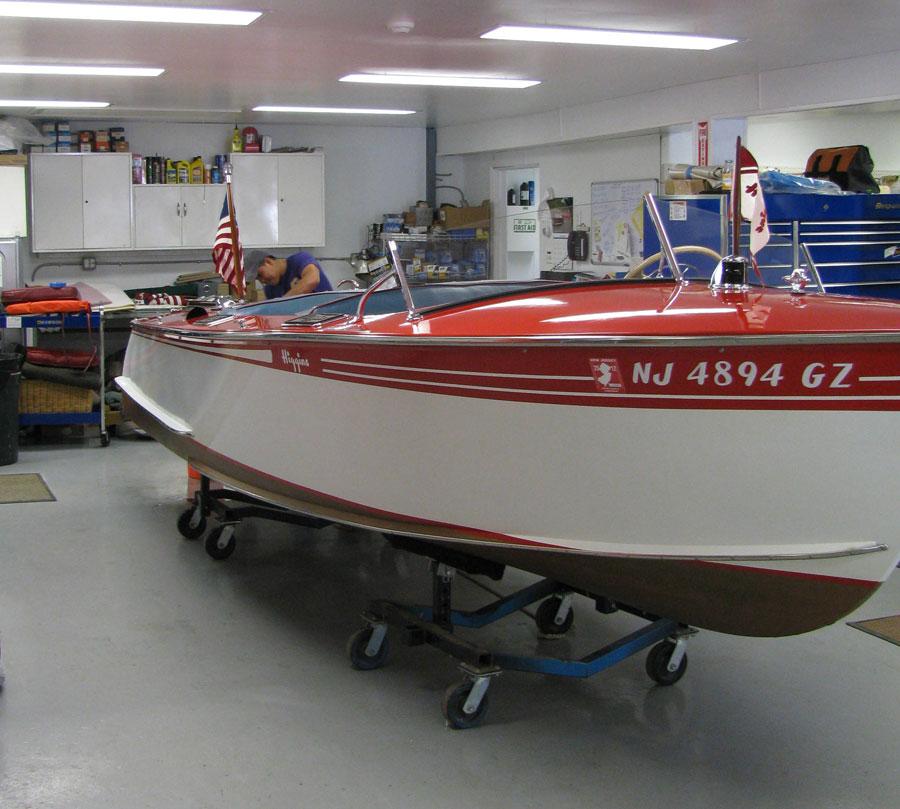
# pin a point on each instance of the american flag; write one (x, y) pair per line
(227, 254)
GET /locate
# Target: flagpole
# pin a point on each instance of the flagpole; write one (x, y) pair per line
(238, 287)
(736, 201)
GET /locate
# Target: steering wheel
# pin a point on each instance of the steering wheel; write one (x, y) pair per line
(637, 271)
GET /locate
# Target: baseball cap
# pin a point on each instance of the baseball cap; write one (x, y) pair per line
(252, 260)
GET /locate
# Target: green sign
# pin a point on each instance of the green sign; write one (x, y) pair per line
(524, 226)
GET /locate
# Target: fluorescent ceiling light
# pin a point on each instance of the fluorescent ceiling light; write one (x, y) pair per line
(438, 80)
(47, 105)
(79, 70)
(597, 36)
(103, 11)
(339, 110)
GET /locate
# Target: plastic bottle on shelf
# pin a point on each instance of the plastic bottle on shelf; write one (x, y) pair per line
(531, 192)
(196, 176)
(523, 194)
(236, 139)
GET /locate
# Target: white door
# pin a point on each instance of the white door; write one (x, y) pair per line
(201, 208)
(106, 182)
(56, 202)
(301, 200)
(157, 216)
(254, 182)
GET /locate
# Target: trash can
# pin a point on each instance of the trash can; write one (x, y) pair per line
(9, 408)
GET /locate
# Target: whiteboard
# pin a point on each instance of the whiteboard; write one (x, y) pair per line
(617, 221)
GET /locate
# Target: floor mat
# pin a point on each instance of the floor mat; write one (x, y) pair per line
(27, 488)
(885, 628)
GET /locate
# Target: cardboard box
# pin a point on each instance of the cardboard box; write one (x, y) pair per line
(472, 217)
(685, 187)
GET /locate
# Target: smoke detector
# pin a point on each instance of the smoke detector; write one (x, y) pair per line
(401, 26)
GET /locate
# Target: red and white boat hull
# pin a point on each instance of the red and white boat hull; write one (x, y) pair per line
(643, 470)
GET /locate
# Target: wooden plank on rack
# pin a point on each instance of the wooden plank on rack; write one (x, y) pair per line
(13, 159)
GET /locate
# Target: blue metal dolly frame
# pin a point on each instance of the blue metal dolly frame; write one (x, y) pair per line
(220, 542)
(465, 704)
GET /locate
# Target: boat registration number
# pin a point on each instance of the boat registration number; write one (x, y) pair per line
(723, 374)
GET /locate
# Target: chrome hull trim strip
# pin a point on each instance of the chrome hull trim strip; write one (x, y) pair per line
(582, 341)
(170, 420)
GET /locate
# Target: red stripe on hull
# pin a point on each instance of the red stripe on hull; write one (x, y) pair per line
(852, 377)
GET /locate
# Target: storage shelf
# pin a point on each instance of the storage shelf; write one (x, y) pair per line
(92, 321)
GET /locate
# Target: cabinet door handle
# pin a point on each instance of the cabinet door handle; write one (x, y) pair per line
(184, 209)
(177, 209)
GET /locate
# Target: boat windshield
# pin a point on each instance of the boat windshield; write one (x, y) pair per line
(627, 242)
(387, 300)
(698, 230)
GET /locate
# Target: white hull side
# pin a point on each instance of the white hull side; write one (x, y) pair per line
(609, 481)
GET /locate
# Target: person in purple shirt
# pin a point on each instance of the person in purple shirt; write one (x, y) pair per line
(295, 275)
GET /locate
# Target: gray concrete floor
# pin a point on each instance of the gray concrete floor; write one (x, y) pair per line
(141, 673)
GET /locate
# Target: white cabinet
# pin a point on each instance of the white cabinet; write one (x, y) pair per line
(80, 201)
(177, 215)
(279, 199)
(12, 192)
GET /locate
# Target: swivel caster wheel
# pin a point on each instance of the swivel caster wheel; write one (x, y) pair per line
(463, 707)
(220, 542)
(554, 616)
(368, 648)
(659, 663)
(192, 523)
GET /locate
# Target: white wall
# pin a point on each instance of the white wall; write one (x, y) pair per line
(786, 141)
(864, 79)
(368, 171)
(567, 169)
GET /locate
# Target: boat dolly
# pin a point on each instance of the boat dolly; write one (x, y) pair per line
(465, 703)
(220, 541)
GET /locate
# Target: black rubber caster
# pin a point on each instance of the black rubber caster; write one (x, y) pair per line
(658, 664)
(216, 546)
(186, 529)
(546, 614)
(454, 699)
(104, 439)
(356, 650)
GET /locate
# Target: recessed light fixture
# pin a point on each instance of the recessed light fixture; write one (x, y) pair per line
(599, 36)
(79, 70)
(439, 80)
(127, 13)
(338, 110)
(51, 105)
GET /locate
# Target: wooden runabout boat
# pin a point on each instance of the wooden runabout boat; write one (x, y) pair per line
(719, 454)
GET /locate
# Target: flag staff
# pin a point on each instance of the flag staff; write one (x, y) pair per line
(736, 201)
(238, 288)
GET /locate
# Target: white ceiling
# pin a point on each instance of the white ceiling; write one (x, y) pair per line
(295, 53)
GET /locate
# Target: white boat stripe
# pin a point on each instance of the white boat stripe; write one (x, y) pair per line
(879, 379)
(600, 395)
(456, 373)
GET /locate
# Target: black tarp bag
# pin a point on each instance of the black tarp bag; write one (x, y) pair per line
(848, 166)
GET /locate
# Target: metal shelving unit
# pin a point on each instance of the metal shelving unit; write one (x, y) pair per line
(76, 322)
(446, 256)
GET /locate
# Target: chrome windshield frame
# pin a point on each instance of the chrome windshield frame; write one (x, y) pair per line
(668, 252)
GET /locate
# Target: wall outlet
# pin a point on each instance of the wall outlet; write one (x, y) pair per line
(88, 263)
